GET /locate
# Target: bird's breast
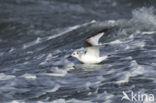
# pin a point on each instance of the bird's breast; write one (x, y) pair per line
(90, 59)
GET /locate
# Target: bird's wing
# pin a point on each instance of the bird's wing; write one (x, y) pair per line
(94, 51)
(94, 40)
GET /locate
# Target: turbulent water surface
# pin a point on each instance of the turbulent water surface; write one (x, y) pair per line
(37, 38)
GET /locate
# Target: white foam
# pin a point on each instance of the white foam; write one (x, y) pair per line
(148, 32)
(49, 56)
(37, 41)
(57, 72)
(77, 101)
(111, 21)
(140, 44)
(64, 32)
(16, 101)
(135, 69)
(54, 89)
(40, 56)
(27, 62)
(29, 52)
(59, 101)
(105, 96)
(70, 101)
(70, 29)
(11, 50)
(116, 42)
(145, 15)
(135, 44)
(29, 76)
(43, 63)
(124, 78)
(93, 21)
(61, 72)
(88, 84)
(6, 77)
(153, 64)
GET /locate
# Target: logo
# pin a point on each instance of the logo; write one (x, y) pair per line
(137, 96)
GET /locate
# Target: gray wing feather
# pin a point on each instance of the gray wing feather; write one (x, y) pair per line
(94, 40)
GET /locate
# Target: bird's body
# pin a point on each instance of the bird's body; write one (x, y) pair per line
(90, 59)
(92, 54)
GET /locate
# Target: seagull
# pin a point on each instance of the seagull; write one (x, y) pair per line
(92, 51)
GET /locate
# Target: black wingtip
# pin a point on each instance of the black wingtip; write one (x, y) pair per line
(87, 44)
(101, 31)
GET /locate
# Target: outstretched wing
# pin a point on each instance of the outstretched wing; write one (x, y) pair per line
(94, 40)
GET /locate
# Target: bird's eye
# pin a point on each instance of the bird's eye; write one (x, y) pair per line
(75, 53)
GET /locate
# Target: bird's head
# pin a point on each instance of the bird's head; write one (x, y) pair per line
(76, 54)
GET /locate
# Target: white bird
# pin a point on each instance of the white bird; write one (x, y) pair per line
(92, 54)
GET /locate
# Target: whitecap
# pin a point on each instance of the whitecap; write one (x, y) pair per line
(27, 62)
(77, 101)
(148, 32)
(16, 101)
(62, 74)
(49, 56)
(116, 42)
(106, 97)
(43, 63)
(70, 29)
(70, 101)
(135, 70)
(59, 101)
(124, 78)
(11, 50)
(54, 89)
(6, 77)
(64, 32)
(145, 16)
(88, 84)
(29, 76)
(40, 56)
(57, 72)
(37, 41)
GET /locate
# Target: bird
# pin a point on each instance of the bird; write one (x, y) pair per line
(92, 51)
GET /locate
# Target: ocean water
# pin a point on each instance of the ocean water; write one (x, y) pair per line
(37, 38)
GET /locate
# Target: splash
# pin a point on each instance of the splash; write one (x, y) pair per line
(145, 16)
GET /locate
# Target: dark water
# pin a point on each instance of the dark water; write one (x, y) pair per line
(37, 37)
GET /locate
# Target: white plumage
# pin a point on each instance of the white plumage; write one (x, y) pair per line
(92, 54)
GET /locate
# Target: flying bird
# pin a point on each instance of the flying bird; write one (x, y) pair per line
(92, 50)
